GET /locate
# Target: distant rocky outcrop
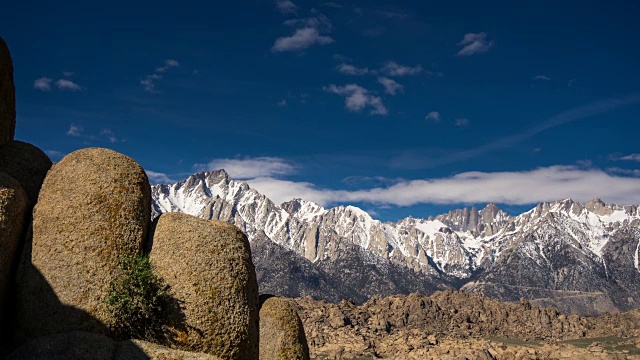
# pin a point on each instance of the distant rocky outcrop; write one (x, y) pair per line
(207, 265)
(400, 326)
(7, 95)
(13, 213)
(93, 209)
(27, 164)
(281, 332)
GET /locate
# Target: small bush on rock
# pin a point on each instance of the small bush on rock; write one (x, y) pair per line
(138, 300)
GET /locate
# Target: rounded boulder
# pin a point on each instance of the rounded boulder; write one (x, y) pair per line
(13, 210)
(208, 267)
(27, 164)
(93, 210)
(7, 95)
(281, 332)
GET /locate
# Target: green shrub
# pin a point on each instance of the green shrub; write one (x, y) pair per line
(138, 300)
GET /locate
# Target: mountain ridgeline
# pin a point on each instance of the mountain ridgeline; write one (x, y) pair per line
(579, 258)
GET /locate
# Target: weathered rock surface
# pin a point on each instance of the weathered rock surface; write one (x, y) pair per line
(27, 164)
(208, 266)
(93, 209)
(90, 346)
(7, 95)
(400, 326)
(13, 211)
(281, 331)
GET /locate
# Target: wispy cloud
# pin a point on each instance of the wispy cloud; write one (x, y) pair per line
(392, 68)
(301, 39)
(349, 69)
(628, 172)
(631, 157)
(461, 122)
(568, 116)
(168, 64)
(393, 14)
(332, 5)
(516, 188)
(105, 134)
(149, 82)
(64, 84)
(319, 22)
(391, 87)
(158, 177)
(109, 135)
(358, 98)
(75, 130)
(541, 77)
(250, 167)
(42, 84)
(433, 116)
(286, 7)
(282, 103)
(474, 43)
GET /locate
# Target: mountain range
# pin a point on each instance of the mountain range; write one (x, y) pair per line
(579, 258)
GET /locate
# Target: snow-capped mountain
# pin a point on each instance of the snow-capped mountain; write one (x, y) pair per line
(487, 250)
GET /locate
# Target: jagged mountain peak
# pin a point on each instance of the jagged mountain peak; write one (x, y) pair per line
(460, 245)
(303, 209)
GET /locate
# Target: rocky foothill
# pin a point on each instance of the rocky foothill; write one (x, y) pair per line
(459, 325)
(77, 239)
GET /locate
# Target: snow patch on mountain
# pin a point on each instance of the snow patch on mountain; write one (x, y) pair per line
(457, 243)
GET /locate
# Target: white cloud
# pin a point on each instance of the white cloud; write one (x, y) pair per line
(108, 135)
(75, 130)
(357, 98)
(631, 157)
(67, 73)
(286, 7)
(64, 84)
(541, 77)
(392, 68)
(433, 116)
(282, 103)
(461, 122)
(301, 39)
(332, 5)
(630, 172)
(42, 84)
(516, 188)
(474, 43)
(168, 64)
(158, 178)
(150, 81)
(247, 168)
(349, 69)
(391, 87)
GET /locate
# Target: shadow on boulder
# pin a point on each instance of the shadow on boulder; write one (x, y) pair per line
(51, 339)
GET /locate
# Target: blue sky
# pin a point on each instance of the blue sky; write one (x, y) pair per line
(402, 108)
